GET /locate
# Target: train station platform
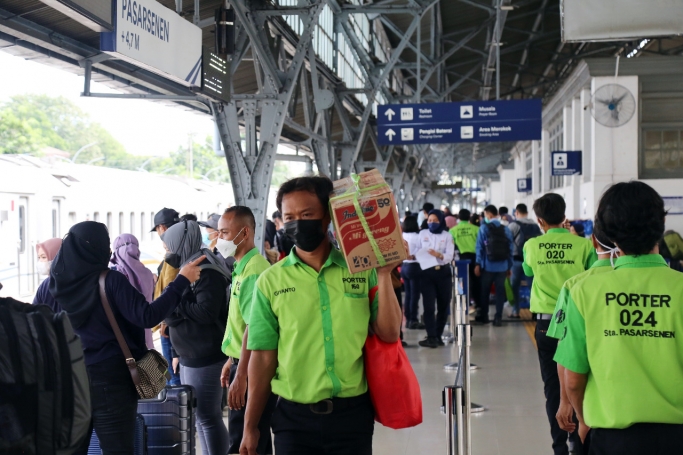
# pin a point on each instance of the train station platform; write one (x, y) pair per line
(508, 382)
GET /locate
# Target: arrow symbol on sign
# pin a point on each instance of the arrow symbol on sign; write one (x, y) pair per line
(390, 134)
(390, 114)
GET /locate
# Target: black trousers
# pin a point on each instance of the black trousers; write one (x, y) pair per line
(638, 439)
(347, 431)
(236, 424)
(475, 281)
(114, 407)
(437, 291)
(487, 279)
(551, 387)
(410, 272)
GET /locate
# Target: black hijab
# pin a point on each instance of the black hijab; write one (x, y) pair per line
(76, 270)
(442, 220)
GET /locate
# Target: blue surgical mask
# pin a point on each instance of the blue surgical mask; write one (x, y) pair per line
(486, 220)
(434, 227)
(205, 238)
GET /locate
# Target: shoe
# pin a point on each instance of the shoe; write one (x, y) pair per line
(514, 316)
(404, 344)
(428, 342)
(420, 325)
(439, 342)
(497, 322)
(478, 321)
(412, 325)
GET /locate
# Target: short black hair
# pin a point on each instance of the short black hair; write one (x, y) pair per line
(276, 215)
(427, 207)
(491, 209)
(550, 208)
(521, 208)
(189, 217)
(464, 215)
(410, 224)
(319, 185)
(631, 215)
(503, 210)
(474, 219)
(244, 214)
(603, 241)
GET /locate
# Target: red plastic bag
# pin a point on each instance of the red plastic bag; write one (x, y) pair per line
(393, 386)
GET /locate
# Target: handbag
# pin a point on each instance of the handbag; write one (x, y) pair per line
(394, 389)
(151, 372)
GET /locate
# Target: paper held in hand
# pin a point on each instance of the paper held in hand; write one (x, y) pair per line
(426, 260)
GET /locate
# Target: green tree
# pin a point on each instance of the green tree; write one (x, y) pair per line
(17, 135)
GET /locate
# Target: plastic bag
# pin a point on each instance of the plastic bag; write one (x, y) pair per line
(394, 389)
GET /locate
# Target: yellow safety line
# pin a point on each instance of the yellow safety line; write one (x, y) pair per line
(529, 325)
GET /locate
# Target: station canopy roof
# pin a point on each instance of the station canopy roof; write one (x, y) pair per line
(457, 49)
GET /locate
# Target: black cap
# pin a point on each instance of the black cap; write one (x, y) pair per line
(167, 217)
(212, 222)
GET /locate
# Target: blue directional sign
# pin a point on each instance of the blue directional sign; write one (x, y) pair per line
(476, 121)
(524, 185)
(566, 163)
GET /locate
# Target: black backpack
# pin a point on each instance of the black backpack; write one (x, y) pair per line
(526, 231)
(497, 243)
(44, 388)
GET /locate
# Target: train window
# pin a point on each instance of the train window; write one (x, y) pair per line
(56, 218)
(22, 228)
(143, 225)
(109, 221)
(120, 223)
(132, 223)
(96, 216)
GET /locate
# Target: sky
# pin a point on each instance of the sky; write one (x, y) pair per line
(143, 127)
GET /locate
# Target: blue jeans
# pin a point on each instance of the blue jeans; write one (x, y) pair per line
(516, 280)
(211, 431)
(487, 279)
(166, 351)
(114, 402)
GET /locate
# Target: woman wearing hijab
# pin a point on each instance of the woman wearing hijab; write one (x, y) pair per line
(197, 329)
(126, 259)
(74, 287)
(435, 281)
(46, 252)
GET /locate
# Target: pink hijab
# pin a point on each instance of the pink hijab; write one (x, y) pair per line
(50, 246)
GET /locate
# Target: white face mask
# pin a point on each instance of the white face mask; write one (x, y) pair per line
(227, 248)
(613, 252)
(44, 268)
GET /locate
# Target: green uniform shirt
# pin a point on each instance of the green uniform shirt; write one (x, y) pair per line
(318, 322)
(244, 276)
(552, 259)
(625, 330)
(558, 323)
(465, 236)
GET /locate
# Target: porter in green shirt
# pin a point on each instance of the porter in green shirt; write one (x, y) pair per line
(625, 331)
(318, 322)
(558, 323)
(465, 236)
(552, 259)
(244, 276)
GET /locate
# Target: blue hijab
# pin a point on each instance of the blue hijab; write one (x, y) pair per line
(442, 221)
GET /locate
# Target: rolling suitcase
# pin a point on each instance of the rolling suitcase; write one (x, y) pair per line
(170, 419)
(140, 439)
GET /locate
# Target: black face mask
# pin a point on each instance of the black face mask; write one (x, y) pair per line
(173, 260)
(306, 234)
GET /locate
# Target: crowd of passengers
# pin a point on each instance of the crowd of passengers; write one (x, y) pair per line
(286, 321)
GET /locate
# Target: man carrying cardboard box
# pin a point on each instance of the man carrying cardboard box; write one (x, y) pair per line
(308, 326)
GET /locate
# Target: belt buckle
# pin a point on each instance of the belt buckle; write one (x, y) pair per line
(438, 267)
(328, 409)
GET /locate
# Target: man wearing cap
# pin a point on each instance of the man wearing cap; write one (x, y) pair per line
(210, 231)
(164, 219)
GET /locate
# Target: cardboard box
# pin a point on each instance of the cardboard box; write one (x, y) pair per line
(379, 208)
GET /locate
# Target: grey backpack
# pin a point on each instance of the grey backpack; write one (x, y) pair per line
(44, 388)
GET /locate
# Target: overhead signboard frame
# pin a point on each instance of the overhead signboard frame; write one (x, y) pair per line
(446, 123)
(94, 14)
(524, 185)
(151, 36)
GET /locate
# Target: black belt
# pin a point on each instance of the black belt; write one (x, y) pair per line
(518, 258)
(332, 404)
(235, 361)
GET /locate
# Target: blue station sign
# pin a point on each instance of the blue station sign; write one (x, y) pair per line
(524, 185)
(476, 121)
(566, 163)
